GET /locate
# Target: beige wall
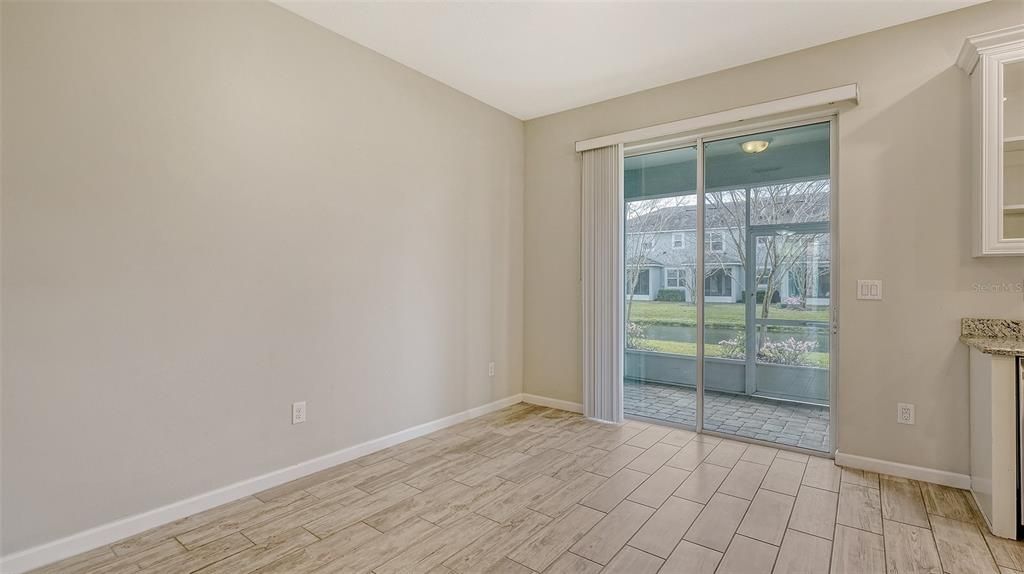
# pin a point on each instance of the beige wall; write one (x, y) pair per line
(212, 210)
(903, 216)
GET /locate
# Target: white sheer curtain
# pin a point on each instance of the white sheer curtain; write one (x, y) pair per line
(602, 276)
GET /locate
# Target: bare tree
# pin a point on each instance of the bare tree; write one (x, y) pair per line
(805, 275)
(781, 253)
(726, 213)
(646, 219)
(799, 202)
(796, 202)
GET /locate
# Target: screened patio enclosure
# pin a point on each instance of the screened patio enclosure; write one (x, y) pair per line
(761, 311)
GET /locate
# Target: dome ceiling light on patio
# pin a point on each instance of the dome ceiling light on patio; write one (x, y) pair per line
(796, 154)
(754, 146)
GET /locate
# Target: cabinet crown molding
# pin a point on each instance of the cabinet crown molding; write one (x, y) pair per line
(979, 44)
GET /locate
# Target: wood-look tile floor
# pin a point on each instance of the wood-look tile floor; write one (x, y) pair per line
(530, 489)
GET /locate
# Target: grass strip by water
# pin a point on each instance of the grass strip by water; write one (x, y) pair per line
(716, 315)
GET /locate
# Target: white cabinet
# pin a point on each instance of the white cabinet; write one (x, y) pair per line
(995, 63)
(993, 398)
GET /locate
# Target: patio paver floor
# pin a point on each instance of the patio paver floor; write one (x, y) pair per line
(793, 424)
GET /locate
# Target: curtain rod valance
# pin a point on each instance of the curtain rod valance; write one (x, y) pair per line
(840, 94)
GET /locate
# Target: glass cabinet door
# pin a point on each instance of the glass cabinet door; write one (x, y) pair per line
(995, 63)
(1013, 149)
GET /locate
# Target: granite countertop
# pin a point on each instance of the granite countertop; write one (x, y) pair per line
(994, 336)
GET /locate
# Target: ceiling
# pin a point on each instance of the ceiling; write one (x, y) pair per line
(531, 59)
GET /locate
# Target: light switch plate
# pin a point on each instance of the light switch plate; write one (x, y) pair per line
(869, 289)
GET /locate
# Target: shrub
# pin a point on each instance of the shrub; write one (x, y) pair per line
(792, 303)
(735, 348)
(788, 352)
(635, 336)
(675, 295)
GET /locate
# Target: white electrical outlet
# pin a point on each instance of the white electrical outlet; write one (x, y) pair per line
(298, 413)
(905, 413)
(490, 369)
(870, 289)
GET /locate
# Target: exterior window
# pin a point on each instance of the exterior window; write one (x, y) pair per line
(674, 278)
(824, 281)
(716, 244)
(810, 283)
(796, 280)
(718, 284)
(677, 241)
(643, 282)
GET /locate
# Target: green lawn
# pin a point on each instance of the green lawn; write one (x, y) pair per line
(715, 314)
(815, 359)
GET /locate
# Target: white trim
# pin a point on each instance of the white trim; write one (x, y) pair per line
(847, 93)
(679, 279)
(977, 504)
(60, 549)
(682, 239)
(553, 403)
(934, 476)
(973, 46)
(712, 241)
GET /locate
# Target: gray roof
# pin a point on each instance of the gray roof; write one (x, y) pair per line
(784, 209)
(644, 262)
(679, 218)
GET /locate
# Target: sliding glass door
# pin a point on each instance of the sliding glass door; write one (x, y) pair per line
(751, 307)
(660, 362)
(767, 213)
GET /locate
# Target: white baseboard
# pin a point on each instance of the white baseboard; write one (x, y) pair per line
(112, 532)
(552, 403)
(943, 477)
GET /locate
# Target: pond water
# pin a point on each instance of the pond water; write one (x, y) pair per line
(818, 334)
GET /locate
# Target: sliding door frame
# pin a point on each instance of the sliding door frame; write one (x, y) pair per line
(831, 117)
(699, 284)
